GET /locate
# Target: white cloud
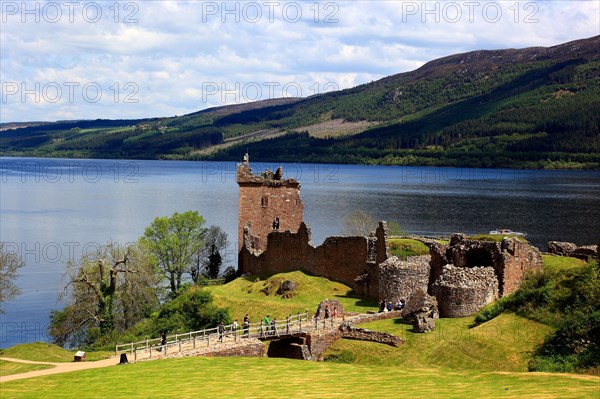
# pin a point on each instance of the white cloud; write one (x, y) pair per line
(164, 54)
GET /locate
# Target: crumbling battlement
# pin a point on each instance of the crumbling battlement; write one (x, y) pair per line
(267, 203)
(510, 259)
(467, 274)
(464, 275)
(343, 259)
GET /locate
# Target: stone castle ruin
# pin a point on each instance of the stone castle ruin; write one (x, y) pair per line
(463, 275)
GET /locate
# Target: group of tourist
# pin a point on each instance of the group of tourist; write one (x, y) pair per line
(268, 326)
(385, 306)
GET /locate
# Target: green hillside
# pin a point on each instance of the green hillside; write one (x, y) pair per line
(529, 108)
(257, 297)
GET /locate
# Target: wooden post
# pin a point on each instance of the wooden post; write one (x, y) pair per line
(135, 355)
(179, 346)
(146, 343)
(116, 350)
(132, 348)
(194, 344)
(150, 352)
(208, 340)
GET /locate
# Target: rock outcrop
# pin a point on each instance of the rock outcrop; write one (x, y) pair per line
(572, 250)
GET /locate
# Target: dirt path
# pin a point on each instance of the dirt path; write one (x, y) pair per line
(57, 369)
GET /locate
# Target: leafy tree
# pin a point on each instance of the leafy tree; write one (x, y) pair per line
(209, 259)
(108, 292)
(359, 223)
(9, 264)
(192, 310)
(214, 264)
(174, 241)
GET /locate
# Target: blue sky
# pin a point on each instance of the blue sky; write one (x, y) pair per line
(133, 59)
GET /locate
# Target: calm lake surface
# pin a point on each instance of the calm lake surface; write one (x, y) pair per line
(55, 209)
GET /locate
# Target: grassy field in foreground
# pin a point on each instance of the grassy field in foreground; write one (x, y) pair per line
(8, 368)
(283, 378)
(245, 295)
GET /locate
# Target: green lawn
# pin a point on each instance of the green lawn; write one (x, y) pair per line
(283, 378)
(555, 263)
(8, 368)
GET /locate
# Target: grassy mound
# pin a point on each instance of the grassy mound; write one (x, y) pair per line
(403, 247)
(257, 297)
(45, 352)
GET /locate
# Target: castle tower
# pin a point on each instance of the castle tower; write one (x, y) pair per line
(267, 203)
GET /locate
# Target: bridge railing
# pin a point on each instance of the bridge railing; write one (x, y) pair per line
(148, 348)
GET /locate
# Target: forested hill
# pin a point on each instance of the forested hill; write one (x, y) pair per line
(523, 108)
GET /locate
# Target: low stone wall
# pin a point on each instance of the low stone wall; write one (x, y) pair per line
(247, 347)
(250, 349)
(461, 292)
(319, 342)
(365, 318)
(363, 334)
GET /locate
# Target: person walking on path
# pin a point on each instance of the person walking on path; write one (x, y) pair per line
(163, 340)
(246, 326)
(221, 331)
(234, 328)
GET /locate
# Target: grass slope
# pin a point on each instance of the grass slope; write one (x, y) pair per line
(245, 295)
(283, 378)
(44, 352)
(502, 344)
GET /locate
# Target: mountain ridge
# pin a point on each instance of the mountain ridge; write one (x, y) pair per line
(532, 107)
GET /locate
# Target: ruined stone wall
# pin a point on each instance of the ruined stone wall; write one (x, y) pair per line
(518, 258)
(462, 291)
(262, 199)
(319, 342)
(338, 258)
(400, 279)
(363, 334)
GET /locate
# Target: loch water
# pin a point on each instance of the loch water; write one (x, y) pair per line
(53, 210)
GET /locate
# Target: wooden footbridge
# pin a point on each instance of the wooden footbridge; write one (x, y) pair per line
(211, 340)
